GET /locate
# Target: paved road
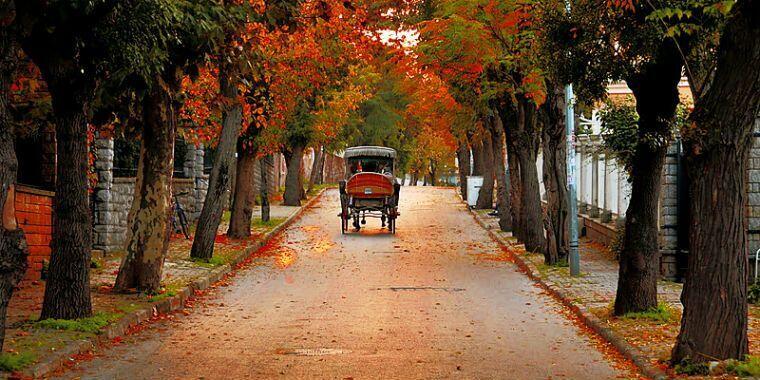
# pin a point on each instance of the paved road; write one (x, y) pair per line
(437, 300)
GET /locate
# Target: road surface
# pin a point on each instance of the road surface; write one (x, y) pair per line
(437, 300)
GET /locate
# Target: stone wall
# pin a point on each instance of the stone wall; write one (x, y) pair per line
(113, 196)
(753, 199)
(669, 213)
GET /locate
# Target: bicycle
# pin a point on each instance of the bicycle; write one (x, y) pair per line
(179, 218)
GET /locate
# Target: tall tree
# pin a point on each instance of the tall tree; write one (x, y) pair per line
(504, 206)
(525, 133)
(485, 196)
(221, 172)
(554, 146)
(717, 144)
(196, 28)
(148, 228)
(13, 248)
(76, 45)
(655, 87)
(244, 195)
(463, 161)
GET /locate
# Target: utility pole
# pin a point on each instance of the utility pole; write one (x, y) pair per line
(574, 256)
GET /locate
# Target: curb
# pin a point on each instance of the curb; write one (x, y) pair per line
(167, 305)
(592, 321)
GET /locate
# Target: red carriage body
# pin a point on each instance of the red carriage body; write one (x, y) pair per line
(370, 189)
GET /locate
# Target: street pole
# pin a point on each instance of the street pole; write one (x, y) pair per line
(575, 258)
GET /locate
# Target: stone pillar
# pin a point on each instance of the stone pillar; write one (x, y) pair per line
(594, 211)
(102, 239)
(578, 179)
(606, 215)
(612, 186)
(669, 214)
(201, 181)
(581, 177)
(624, 195)
(188, 166)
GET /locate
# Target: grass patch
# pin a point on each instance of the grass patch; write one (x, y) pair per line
(662, 313)
(687, 367)
(213, 262)
(317, 188)
(92, 324)
(273, 222)
(169, 290)
(226, 216)
(11, 362)
(753, 294)
(747, 368)
(561, 268)
(127, 308)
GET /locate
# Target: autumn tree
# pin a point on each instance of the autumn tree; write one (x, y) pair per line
(77, 45)
(13, 249)
(232, 62)
(506, 75)
(197, 29)
(717, 144)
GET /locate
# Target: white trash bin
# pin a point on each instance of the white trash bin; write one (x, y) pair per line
(474, 183)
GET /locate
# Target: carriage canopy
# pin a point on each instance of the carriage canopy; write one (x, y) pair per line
(370, 151)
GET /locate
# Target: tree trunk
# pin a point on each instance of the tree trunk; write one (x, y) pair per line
(148, 222)
(67, 291)
(526, 138)
(13, 248)
(714, 323)
(502, 181)
(656, 90)
(433, 173)
(478, 162)
(293, 182)
(515, 190)
(245, 195)
(414, 178)
(463, 157)
(316, 168)
(485, 197)
(555, 177)
(532, 215)
(219, 181)
(321, 170)
(266, 163)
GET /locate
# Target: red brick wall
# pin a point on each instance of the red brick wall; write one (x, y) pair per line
(34, 213)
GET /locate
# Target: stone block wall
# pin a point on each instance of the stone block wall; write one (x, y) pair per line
(753, 199)
(113, 196)
(669, 214)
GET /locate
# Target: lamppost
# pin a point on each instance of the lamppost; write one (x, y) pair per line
(575, 259)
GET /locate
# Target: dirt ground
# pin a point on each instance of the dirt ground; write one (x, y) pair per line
(437, 300)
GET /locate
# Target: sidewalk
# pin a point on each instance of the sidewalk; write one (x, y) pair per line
(34, 349)
(651, 335)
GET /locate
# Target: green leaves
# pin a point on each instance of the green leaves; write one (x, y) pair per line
(689, 17)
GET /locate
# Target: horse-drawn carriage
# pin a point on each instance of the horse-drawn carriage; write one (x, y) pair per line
(370, 189)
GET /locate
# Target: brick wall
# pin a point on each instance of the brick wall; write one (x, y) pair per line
(34, 213)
